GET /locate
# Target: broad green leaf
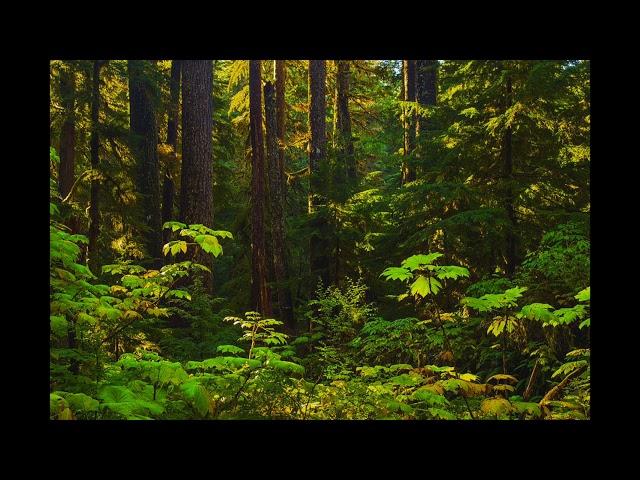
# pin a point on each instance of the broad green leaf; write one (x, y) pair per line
(82, 402)
(584, 295)
(431, 398)
(288, 367)
(197, 395)
(416, 262)
(209, 244)
(538, 311)
(229, 349)
(174, 226)
(451, 271)
(423, 286)
(396, 273)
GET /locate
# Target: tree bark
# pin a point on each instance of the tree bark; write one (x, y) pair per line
(68, 134)
(196, 185)
(343, 140)
(507, 175)
(317, 168)
(280, 78)
(409, 119)
(94, 212)
(144, 142)
(426, 88)
(168, 186)
(276, 181)
(66, 171)
(261, 298)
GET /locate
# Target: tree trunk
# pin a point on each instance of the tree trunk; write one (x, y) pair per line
(507, 174)
(66, 172)
(168, 187)
(68, 134)
(426, 88)
(343, 140)
(196, 185)
(261, 298)
(317, 169)
(280, 263)
(409, 119)
(94, 212)
(144, 142)
(280, 78)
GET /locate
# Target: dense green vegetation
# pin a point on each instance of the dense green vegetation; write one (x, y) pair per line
(362, 239)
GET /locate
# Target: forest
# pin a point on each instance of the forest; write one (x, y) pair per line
(319, 240)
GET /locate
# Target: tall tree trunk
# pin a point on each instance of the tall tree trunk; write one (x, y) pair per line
(94, 212)
(168, 186)
(507, 174)
(343, 140)
(144, 140)
(66, 172)
(280, 78)
(261, 298)
(409, 119)
(276, 192)
(68, 133)
(426, 88)
(317, 169)
(196, 185)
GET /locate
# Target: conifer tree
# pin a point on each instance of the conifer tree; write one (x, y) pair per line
(196, 184)
(260, 290)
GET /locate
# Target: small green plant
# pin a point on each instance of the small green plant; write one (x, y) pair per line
(503, 324)
(258, 330)
(426, 281)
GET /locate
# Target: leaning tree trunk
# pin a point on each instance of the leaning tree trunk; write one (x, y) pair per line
(261, 298)
(343, 140)
(507, 175)
(168, 186)
(426, 86)
(196, 184)
(280, 264)
(317, 169)
(94, 212)
(144, 140)
(409, 119)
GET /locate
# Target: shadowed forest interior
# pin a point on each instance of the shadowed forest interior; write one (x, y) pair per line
(319, 239)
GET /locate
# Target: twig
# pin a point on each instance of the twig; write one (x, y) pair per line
(534, 374)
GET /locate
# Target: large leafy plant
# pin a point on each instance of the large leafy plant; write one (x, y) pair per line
(425, 279)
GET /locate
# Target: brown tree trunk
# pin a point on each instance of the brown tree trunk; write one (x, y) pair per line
(507, 174)
(317, 169)
(409, 119)
(94, 212)
(261, 298)
(343, 140)
(196, 185)
(280, 78)
(168, 186)
(144, 142)
(426, 88)
(68, 134)
(66, 172)
(280, 263)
